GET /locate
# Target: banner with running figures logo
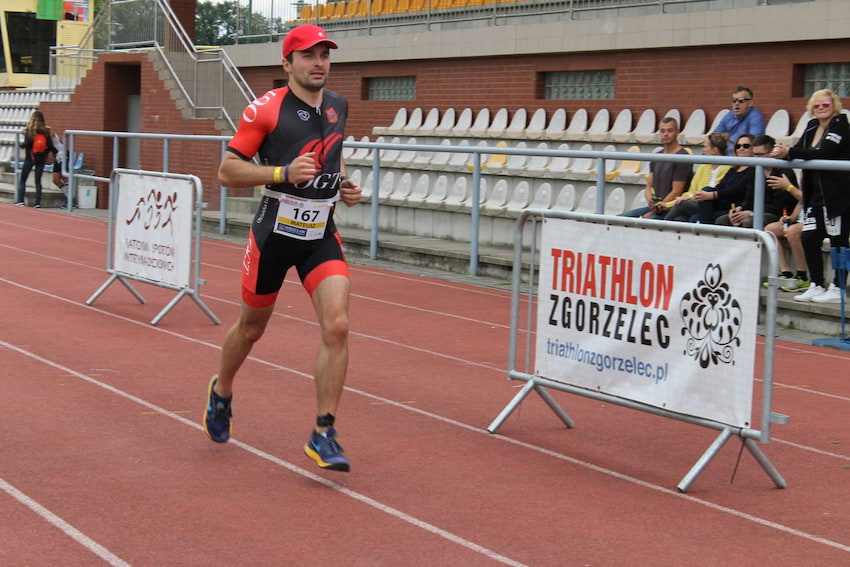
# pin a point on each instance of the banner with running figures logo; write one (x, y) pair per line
(153, 228)
(660, 317)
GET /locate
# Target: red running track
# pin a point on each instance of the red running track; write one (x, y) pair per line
(103, 461)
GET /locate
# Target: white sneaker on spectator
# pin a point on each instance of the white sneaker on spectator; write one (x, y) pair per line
(831, 295)
(810, 294)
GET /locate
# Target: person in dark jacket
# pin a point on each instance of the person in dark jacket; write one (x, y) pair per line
(778, 199)
(714, 202)
(826, 194)
(38, 145)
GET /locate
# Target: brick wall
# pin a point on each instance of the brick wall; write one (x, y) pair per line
(100, 104)
(660, 79)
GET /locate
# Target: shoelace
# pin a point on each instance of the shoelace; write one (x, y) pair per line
(222, 411)
(334, 444)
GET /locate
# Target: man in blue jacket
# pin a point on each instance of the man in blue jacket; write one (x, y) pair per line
(744, 118)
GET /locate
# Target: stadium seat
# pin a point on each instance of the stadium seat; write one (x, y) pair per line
(498, 197)
(519, 198)
(798, 130)
(693, 132)
(447, 122)
(481, 124)
(463, 124)
(414, 122)
(457, 160)
(366, 186)
(387, 185)
(543, 197)
(360, 155)
(399, 122)
(566, 198)
(639, 201)
(584, 167)
(402, 189)
(578, 125)
(406, 157)
(499, 124)
(458, 195)
(430, 123)
(622, 127)
(440, 159)
(615, 202)
(516, 129)
(536, 165)
(347, 151)
(556, 129)
(494, 163)
(439, 191)
(559, 166)
(600, 126)
(778, 125)
(516, 163)
(587, 203)
(536, 125)
(628, 170)
(717, 120)
(389, 156)
(420, 190)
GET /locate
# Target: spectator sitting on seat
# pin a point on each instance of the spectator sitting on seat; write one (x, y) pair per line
(706, 177)
(744, 118)
(730, 190)
(666, 180)
(790, 227)
(777, 196)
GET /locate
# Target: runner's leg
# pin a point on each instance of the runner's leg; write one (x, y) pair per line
(330, 300)
(238, 343)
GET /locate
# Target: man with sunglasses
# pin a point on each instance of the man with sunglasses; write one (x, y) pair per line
(744, 118)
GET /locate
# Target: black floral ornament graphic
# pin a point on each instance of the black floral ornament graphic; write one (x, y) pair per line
(712, 320)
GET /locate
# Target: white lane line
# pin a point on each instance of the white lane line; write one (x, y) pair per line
(476, 429)
(62, 525)
(398, 514)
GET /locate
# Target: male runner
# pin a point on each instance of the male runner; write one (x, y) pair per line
(297, 131)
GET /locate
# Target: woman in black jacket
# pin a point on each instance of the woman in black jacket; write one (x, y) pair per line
(38, 145)
(826, 194)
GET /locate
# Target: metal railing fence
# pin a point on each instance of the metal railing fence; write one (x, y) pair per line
(475, 152)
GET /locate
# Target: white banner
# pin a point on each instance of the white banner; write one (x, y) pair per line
(153, 228)
(664, 318)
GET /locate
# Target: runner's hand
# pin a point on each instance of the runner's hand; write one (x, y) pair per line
(350, 192)
(303, 168)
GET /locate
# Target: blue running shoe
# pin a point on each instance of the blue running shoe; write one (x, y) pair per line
(217, 415)
(326, 451)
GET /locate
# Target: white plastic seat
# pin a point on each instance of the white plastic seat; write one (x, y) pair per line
(414, 122)
(600, 126)
(519, 121)
(536, 125)
(516, 163)
(497, 199)
(693, 131)
(557, 127)
(519, 198)
(481, 124)
(543, 196)
(720, 115)
(420, 190)
(463, 124)
(447, 122)
(388, 156)
(406, 157)
(622, 127)
(578, 125)
(440, 159)
(559, 166)
(778, 125)
(639, 201)
(536, 165)
(798, 130)
(628, 170)
(399, 122)
(359, 155)
(385, 189)
(494, 163)
(499, 125)
(439, 191)
(566, 198)
(366, 186)
(587, 203)
(347, 151)
(458, 194)
(430, 123)
(583, 167)
(615, 202)
(457, 160)
(402, 189)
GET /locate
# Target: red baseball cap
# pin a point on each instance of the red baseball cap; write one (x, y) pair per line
(305, 37)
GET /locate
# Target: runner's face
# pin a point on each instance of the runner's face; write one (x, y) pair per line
(309, 68)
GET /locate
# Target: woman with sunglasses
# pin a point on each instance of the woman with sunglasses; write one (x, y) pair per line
(714, 202)
(826, 194)
(705, 178)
